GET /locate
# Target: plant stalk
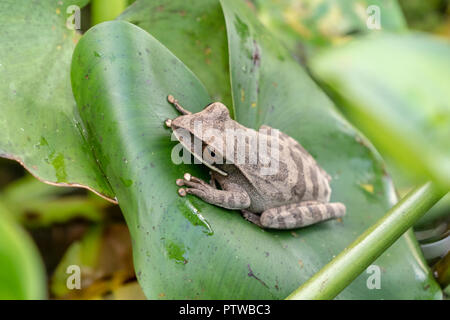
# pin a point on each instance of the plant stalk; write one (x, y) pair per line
(106, 10)
(353, 260)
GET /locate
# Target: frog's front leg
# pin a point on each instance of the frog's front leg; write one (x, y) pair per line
(236, 198)
(300, 214)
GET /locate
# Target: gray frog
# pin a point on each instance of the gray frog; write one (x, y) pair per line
(296, 194)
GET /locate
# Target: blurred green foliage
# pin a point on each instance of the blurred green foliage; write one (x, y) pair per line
(73, 227)
(309, 25)
(429, 15)
(35, 204)
(22, 274)
(105, 10)
(379, 83)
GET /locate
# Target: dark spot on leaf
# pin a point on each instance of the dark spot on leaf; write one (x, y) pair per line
(361, 141)
(276, 285)
(252, 275)
(256, 57)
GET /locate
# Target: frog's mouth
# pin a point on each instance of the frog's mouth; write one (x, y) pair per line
(191, 149)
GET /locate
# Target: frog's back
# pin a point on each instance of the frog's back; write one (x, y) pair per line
(292, 175)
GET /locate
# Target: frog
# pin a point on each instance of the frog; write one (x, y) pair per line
(295, 195)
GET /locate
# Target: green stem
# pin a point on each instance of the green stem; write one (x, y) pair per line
(106, 10)
(342, 270)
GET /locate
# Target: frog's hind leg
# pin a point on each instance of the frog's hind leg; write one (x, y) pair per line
(252, 217)
(301, 214)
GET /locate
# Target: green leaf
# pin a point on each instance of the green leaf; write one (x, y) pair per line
(343, 269)
(395, 87)
(186, 248)
(39, 126)
(123, 102)
(194, 32)
(308, 25)
(270, 88)
(22, 274)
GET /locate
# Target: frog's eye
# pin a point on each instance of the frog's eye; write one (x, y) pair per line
(210, 155)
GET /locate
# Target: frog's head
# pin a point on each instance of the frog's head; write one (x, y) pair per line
(203, 133)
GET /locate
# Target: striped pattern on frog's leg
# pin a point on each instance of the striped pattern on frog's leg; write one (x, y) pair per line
(301, 214)
(236, 198)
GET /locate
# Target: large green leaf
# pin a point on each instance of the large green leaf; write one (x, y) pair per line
(274, 90)
(22, 274)
(186, 248)
(39, 126)
(396, 88)
(194, 32)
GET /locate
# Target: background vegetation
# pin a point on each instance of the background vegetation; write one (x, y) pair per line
(89, 110)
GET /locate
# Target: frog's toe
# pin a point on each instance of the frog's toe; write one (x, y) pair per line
(190, 178)
(192, 184)
(168, 123)
(196, 192)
